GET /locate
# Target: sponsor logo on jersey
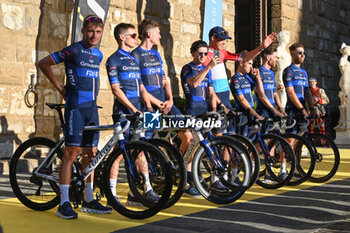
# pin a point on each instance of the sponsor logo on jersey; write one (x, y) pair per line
(85, 64)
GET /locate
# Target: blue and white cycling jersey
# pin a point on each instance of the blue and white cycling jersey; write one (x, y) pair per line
(82, 70)
(151, 68)
(268, 80)
(199, 93)
(124, 69)
(296, 77)
(242, 85)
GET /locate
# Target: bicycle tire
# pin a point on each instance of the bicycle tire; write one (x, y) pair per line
(254, 157)
(326, 164)
(28, 154)
(305, 159)
(273, 163)
(126, 184)
(178, 169)
(201, 175)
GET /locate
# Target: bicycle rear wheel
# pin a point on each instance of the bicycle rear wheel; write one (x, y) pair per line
(177, 166)
(327, 158)
(33, 191)
(305, 159)
(130, 185)
(236, 166)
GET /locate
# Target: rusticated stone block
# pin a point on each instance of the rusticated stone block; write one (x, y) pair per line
(13, 16)
(276, 11)
(17, 104)
(45, 126)
(31, 20)
(4, 100)
(130, 5)
(11, 73)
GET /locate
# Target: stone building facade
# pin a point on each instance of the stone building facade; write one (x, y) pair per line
(31, 29)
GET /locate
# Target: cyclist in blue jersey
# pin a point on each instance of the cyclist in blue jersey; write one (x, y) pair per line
(241, 87)
(269, 103)
(125, 78)
(296, 82)
(82, 64)
(198, 88)
(155, 82)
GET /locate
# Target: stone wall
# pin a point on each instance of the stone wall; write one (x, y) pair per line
(322, 26)
(32, 29)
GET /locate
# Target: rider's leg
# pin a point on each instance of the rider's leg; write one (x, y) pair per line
(70, 154)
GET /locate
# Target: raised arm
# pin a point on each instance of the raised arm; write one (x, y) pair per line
(266, 43)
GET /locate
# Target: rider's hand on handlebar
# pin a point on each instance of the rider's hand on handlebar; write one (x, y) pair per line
(278, 113)
(259, 117)
(304, 112)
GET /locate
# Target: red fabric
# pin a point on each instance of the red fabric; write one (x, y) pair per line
(322, 129)
(316, 92)
(224, 55)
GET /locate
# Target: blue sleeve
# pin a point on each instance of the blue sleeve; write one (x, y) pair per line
(187, 72)
(236, 88)
(287, 78)
(64, 54)
(307, 82)
(210, 79)
(112, 71)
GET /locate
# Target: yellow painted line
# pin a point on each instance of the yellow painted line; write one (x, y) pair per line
(14, 217)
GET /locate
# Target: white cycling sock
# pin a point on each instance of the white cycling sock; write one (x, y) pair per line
(64, 193)
(283, 167)
(147, 185)
(89, 192)
(113, 186)
(235, 173)
(214, 178)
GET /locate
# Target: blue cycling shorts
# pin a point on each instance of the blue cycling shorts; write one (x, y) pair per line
(197, 108)
(225, 99)
(119, 108)
(85, 114)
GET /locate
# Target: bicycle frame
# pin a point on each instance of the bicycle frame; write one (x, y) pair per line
(116, 138)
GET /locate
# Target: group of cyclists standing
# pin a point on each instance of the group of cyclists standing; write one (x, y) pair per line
(138, 84)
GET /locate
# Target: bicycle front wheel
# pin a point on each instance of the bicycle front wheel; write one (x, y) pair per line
(255, 168)
(304, 156)
(227, 162)
(177, 166)
(32, 190)
(133, 167)
(326, 156)
(277, 161)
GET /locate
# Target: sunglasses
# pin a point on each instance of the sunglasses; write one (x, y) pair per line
(203, 53)
(93, 19)
(300, 53)
(222, 33)
(132, 35)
